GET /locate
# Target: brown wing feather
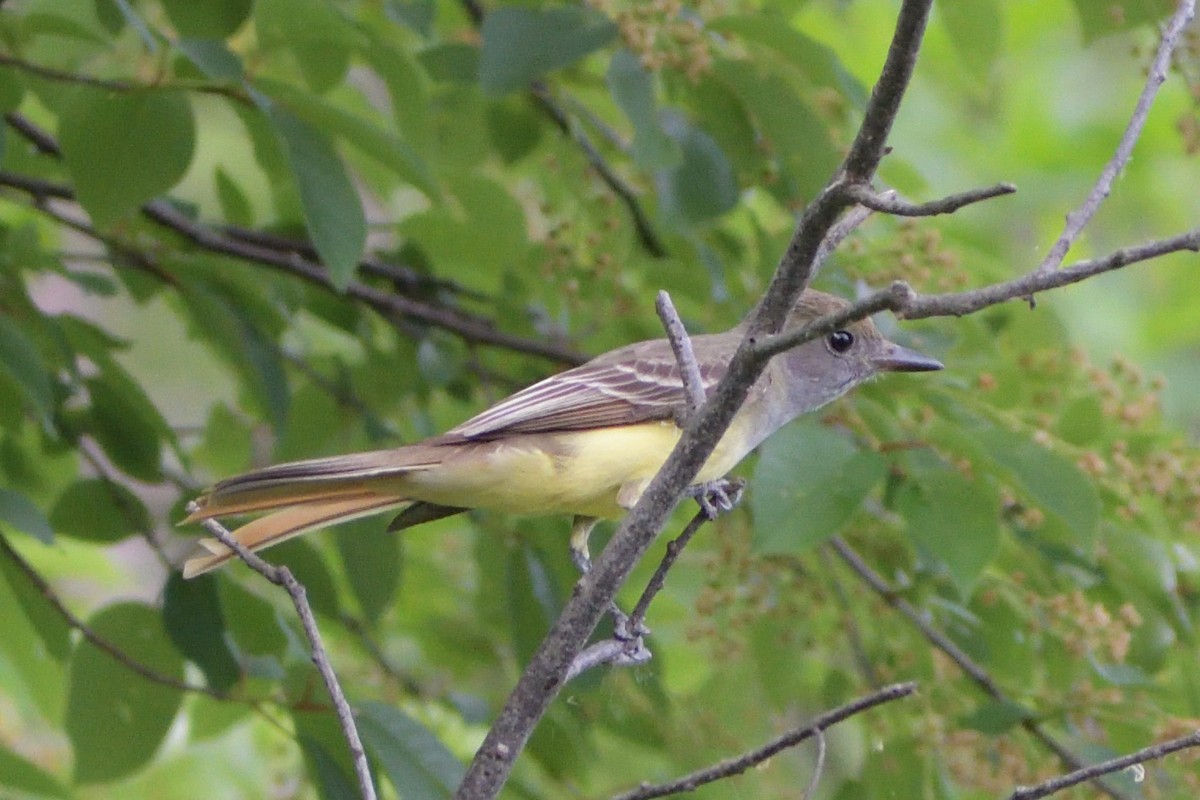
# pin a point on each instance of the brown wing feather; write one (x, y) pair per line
(634, 384)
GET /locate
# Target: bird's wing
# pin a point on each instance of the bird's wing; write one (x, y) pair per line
(634, 384)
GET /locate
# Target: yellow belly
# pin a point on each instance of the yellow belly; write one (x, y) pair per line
(579, 472)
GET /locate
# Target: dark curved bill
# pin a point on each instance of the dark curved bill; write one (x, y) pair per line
(900, 359)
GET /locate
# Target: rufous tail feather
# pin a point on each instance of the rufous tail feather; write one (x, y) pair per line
(284, 524)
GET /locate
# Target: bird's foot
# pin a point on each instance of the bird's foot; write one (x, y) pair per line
(719, 496)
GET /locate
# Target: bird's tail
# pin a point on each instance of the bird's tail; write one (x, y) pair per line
(303, 496)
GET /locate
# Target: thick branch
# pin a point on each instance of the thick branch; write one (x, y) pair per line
(736, 766)
(543, 677)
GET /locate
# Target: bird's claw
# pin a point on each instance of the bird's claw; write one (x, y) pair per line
(719, 496)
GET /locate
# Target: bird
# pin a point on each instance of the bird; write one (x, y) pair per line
(584, 442)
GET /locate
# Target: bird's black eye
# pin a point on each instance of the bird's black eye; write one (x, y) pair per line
(841, 341)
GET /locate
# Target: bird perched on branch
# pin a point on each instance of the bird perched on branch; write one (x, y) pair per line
(584, 442)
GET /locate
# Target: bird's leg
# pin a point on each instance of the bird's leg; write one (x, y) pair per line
(719, 496)
(581, 529)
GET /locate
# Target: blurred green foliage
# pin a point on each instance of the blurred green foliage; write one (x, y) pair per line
(1033, 502)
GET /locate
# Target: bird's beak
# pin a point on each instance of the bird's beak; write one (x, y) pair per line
(895, 358)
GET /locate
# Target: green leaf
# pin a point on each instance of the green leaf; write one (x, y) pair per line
(318, 34)
(45, 620)
(21, 360)
(16, 510)
(809, 482)
(125, 148)
(364, 135)
(817, 63)
(371, 559)
(533, 602)
(1111, 16)
(797, 138)
(419, 766)
(99, 510)
(235, 206)
(633, 90)
(702, 186)
(522, 44)
(955, 518)
(975, 29)
(333, 213)
(116, 719)
(326, 755)
(995, 717)
(233, 326)
(194, 621)
(256, 630)
(212, 58)
(126, 424)
(213, 19)
(24, 776)
(1052, 481)
(331, 780)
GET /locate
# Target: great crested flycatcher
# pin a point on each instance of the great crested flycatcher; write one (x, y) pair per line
(584, 442)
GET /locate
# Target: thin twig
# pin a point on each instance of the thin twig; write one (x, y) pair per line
(818, 767)
(109, 85)
(1078, 219)
(969, 666)
(95, 639)
(1151, 753)
(890, 203)
(735, 766)
(685, 356)
(282, 576)
(656, 582)
(618, 652)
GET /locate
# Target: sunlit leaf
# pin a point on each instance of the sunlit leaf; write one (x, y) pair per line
(25, 776)
(124, 148)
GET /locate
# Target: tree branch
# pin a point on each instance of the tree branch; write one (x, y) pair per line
(685, 356)
(282, 576)
(889, 203)
(1047, 788)
(543, 677)
(736, 766)
(389, 305)
(1077, 220)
